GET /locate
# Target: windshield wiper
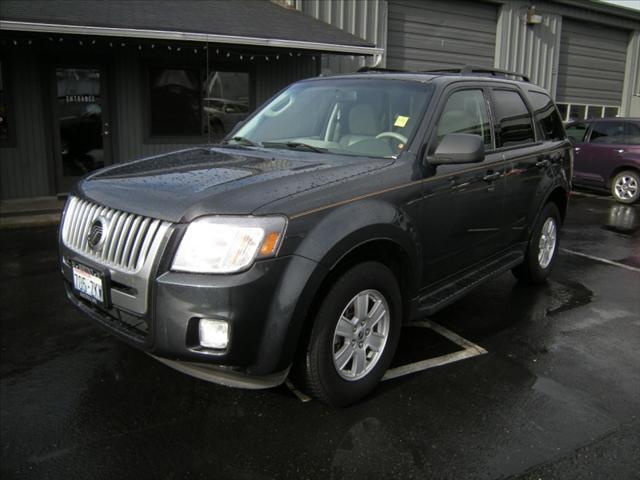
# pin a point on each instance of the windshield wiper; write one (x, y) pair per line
(242, 141)
(295, 146)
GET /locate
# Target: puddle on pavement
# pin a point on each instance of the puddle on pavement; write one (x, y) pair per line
(622, 219)
(567, 296)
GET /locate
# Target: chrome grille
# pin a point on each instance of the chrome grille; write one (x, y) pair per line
(128, 240)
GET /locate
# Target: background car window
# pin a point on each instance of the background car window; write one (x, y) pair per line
(513, 118)
(577, 131)
(547, 116)
(632, 134)
(465, 112)
(608, 132)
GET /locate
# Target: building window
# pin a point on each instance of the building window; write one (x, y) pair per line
(174, 101)
(571, 112)
(187, 102)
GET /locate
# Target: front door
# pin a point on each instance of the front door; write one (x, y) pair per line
(463, 204)
(80, 122)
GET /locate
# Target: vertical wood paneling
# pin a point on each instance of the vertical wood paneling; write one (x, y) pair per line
(532, 50)
(631, 90)
(24, 168)
(366, 19)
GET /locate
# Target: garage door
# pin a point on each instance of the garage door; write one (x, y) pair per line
(592, 62)
(435, 34)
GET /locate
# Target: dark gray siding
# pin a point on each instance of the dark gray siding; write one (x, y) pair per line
(592, 63)
(439, 33)
(274, 76)
(24, 169)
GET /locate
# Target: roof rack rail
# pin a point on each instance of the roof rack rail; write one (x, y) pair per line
(478, 70)
(381, 70)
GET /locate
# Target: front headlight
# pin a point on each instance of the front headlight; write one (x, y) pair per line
(228, 244)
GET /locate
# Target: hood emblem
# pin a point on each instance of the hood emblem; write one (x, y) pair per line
(98, 233)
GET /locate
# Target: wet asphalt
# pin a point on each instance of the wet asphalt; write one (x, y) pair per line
(556, 396)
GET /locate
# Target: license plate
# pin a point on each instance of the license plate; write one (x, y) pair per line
(89, 283)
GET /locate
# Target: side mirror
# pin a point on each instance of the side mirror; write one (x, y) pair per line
(456, 148)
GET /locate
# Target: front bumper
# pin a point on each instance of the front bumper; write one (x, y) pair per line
(258, 304)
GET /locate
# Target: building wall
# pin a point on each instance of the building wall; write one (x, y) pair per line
(440, 34)
(532, 50)
(24, 166)
(27, 166)
(364, 18)
(631, 90)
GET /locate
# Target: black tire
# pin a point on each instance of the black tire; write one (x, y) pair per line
(532, 270)
(320, 375)
(625, 187)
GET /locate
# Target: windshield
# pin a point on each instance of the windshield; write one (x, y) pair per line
(371, 117)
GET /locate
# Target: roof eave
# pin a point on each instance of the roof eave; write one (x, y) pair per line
(188, 36)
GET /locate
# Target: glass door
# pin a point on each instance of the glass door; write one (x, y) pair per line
(81, 123)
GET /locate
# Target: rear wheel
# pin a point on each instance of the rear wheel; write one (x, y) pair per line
(354, 335)
(625, 187)
(542, 249)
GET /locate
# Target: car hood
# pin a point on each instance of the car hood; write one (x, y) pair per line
(183, 185)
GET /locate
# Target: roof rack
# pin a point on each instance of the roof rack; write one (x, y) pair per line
(477, 70)
(465, 70)
(381, 70)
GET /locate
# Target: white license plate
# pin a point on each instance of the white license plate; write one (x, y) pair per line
(88, 283)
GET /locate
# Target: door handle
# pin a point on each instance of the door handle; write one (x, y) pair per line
(576, 149)
(542, 164)
(620, 150)
(490, 177)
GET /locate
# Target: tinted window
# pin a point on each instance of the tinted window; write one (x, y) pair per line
(174, 95)
(632, 134)
(608, 132)
(513, 119)
(465, 112)
(577, 131)
(547, 116)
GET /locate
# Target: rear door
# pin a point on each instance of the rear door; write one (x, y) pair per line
(516, 141)
(577, 133)
(463, 204)
(602, 151)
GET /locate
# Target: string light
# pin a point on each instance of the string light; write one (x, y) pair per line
(230, 54)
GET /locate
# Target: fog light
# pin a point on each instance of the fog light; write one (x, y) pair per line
(213, 333)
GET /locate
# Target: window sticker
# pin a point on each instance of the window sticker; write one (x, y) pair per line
(401, 121)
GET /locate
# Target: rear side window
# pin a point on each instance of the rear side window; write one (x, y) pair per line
(546, 115)
(633, 134)
(608, 133)
(513, 119)
(577, 131)
(465, 112)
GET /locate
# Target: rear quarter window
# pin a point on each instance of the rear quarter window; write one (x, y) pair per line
(546, 115)
(513, 119)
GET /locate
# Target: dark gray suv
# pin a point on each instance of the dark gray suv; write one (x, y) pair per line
(342, 208)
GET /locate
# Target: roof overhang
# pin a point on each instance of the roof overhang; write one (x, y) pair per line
(188, 36)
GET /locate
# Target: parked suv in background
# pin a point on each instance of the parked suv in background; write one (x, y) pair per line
(342, 208)
(607, 156)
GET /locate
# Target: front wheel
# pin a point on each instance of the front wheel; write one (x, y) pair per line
(542, 249)
(625, 187)
(354, 335)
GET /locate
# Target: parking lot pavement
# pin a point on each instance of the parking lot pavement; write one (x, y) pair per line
(557, 395)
